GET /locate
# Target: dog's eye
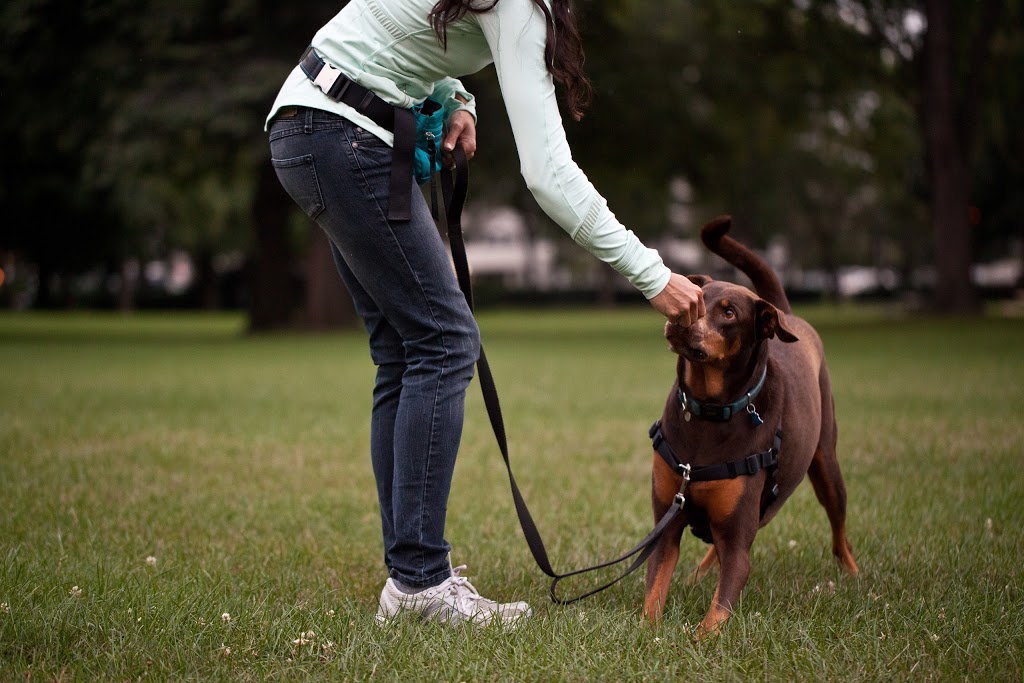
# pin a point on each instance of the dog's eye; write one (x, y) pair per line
(728, 312)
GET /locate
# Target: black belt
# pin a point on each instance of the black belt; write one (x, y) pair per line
(401, 122)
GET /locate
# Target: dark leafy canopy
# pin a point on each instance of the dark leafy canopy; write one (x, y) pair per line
(138, 126)
(801, 118)
(134, 128)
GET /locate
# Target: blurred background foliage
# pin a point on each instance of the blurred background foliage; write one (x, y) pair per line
(876, 132)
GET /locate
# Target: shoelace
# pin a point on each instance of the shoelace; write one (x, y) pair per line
(461, 589)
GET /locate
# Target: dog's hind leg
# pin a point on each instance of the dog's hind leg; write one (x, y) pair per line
(705, 566)
(831, 492)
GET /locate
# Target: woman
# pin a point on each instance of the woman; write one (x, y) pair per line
(332, 129)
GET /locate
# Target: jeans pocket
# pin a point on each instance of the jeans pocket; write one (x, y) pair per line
(367, 139)
(298, 176)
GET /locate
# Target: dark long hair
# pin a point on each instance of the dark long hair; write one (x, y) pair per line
(563, 52)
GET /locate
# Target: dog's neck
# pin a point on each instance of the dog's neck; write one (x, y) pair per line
(720, 385)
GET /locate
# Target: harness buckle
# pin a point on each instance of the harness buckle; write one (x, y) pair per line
(753, 463)
(327, 77)
(679, 498)
(684, 469)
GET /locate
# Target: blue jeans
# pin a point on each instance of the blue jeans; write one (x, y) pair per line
(423, 338)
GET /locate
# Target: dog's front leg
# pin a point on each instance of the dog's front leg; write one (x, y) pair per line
(733, 515)
(662, 563)
(660, 568)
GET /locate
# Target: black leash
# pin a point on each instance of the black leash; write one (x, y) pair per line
(454, 187)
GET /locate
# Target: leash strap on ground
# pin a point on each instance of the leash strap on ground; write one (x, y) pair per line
(454, 187)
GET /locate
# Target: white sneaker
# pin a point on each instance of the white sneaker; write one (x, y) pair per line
(454, 601)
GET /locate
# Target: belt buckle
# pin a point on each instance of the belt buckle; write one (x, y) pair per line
(327, 77)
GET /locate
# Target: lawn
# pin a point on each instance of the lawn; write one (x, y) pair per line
(181, 501)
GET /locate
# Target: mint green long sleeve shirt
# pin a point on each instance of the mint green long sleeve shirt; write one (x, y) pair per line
(389, 47)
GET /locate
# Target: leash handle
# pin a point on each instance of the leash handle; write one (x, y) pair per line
(454, 188)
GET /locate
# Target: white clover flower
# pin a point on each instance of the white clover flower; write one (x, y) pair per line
(225, 651)
(935, 637)
(300, 641)
(151, 561)
(5, 608)
(226, 618)
(792, 544)
(310, 635)
(75, 592)
(330, 613)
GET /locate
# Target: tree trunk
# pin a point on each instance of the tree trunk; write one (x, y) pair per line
(130, 270)
(328, 305)
(947, 147)
(207, 286)
(272, 297)
(606, 286)
(827, 239)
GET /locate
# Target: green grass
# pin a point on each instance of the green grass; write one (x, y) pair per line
(240, 465)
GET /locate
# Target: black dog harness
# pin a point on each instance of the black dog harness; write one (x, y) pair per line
(401, 122)
(748, 466)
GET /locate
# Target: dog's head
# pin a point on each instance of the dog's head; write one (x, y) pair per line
(737, 320)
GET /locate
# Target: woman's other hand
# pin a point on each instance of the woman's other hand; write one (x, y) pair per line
(461, 130)
(681, 301)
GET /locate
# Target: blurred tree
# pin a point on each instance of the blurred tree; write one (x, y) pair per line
(140, 128)
(205, 83)
(939, 53)
(137, 128)
(50, 102)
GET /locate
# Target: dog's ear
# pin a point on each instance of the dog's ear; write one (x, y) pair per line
(772, 323)
(699, 280)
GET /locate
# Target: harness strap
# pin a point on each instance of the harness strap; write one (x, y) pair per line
(454, 195)
(748, 466)
(401, 122)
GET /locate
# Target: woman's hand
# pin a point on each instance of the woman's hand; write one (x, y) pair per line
(681, 301)
(462, 130)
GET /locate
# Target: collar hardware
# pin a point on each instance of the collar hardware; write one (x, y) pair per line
(714, 412)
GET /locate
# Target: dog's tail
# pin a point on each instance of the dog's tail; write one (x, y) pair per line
(766, 282)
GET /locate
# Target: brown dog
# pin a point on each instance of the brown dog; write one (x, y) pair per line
(745, 370)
